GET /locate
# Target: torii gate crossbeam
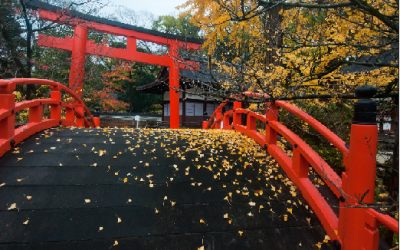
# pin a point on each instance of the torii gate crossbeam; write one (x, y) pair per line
(80, 46)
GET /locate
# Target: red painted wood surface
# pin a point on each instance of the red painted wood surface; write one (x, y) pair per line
(117, 31)
(80, 46)
(357, 225)
(77, 73)
(10, 136)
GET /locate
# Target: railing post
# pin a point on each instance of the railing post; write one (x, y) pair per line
(272, 114)
(218, 116)
(205, 119)
(361, 173)
(70, 114)
(251, 122)
(96, 117)
(225, 122)
(236, 116)
(36, 114)
(55, 109)
(79, 119)
(7, 125)
(300, 164)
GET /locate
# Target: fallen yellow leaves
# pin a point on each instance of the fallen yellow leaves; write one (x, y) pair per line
(13, 206)
(2, 184)
(26, 222)
(87, 200)
(285, 217)
(201, 221)
(240, 233)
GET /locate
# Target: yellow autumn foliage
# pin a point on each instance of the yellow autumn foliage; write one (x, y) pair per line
(288, 49)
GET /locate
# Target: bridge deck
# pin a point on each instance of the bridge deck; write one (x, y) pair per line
(70, 197)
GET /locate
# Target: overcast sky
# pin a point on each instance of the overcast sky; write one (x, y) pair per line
(157, 7)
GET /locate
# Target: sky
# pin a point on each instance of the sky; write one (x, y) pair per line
(157, 7)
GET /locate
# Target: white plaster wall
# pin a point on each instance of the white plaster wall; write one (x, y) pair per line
(192, 96)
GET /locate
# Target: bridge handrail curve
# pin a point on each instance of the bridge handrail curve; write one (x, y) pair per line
(11, 136)
(297, 170)
(216, 111)
(319, 205)
(12, 83)
(314, 123)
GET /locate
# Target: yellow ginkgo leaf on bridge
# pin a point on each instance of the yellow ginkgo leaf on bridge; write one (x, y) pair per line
(13, 206)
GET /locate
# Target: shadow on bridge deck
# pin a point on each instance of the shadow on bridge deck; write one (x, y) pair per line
(151, 189)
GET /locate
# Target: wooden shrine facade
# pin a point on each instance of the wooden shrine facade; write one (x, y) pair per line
(80, 46)
(195, 96)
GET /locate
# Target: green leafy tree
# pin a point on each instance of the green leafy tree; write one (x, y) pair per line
(177, 26)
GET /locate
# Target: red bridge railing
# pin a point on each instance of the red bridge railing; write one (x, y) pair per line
(356, 227)
(11, 136)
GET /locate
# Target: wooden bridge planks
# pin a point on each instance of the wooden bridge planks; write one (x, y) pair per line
(60, 218)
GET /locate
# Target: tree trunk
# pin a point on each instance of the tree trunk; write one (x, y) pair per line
(28, 72)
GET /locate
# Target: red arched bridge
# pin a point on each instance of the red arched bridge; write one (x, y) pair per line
(67, 184)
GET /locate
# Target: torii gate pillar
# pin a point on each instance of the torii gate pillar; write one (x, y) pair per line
(173, 88)
(77, 73)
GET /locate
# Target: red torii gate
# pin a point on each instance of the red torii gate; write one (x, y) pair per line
(80, 46)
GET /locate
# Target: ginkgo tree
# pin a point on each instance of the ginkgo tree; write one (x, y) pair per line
(289, 49)
(307, 50)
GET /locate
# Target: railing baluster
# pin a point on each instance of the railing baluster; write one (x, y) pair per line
(79, 119)
(218, 124)
(69, 114)
(272, 114)
(7, 102)
(251, 122)
(55, 111)
(236, 116)
(225, 121)
(36, 114)
(300, 164)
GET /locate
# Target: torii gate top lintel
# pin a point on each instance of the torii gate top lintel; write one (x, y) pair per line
(53, 13)
(80, 46)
